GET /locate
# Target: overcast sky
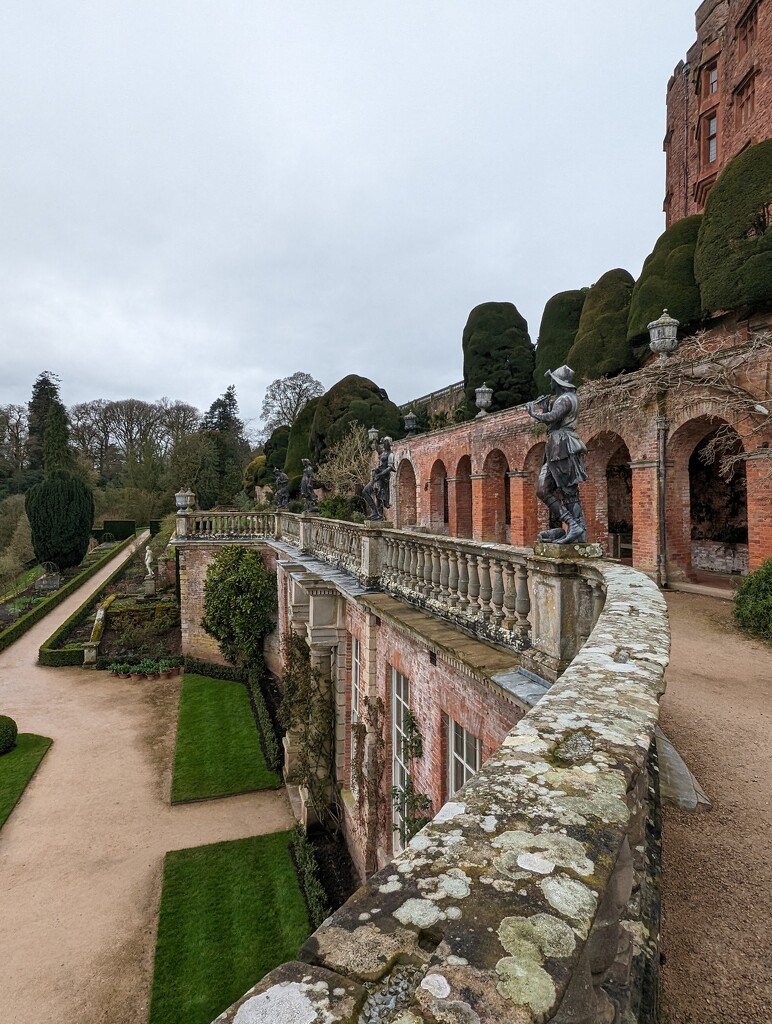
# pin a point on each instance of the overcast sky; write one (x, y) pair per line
(195, 194)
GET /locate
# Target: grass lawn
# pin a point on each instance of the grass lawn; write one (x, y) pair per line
(230, 913)
(17, 768)
(218, 750)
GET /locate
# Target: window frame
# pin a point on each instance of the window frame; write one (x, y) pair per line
(400, 768)
(458, 756)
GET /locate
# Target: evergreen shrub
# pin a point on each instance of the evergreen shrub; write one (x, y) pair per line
(667, 282)
(8, 734)
(497, 352)
(240, 601)
(753, 603)
(60, 510)
(559, 324)
(352, 400)
(299, 445)
(733, 260)
(308, 875)
(601, 348)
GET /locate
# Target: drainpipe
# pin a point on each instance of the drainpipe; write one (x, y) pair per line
(662, 429)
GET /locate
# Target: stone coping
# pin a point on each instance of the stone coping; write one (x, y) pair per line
(495, 899)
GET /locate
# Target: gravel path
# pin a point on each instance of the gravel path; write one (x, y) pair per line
(717, 936)
(81, 855)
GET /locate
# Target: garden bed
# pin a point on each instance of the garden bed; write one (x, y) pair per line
(90, 566)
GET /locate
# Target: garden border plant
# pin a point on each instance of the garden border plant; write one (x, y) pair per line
(58, 657)
(27, 621)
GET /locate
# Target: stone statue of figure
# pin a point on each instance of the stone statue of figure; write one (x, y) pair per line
(281, 494)
(563, 469)
(307, 487)
(148, 562)
(376, 494)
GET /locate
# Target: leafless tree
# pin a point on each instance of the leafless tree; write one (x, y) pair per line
(349, 463)
(286, 398)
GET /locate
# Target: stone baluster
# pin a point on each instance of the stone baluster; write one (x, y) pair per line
(509, 596)
(463, 581)
(444, 575)
(474, 586)
(522, 602)
(453, 578)
(435, 591)
(485, 587)
(414, 550)
(400, 568)
(497, 592)
(418, 583)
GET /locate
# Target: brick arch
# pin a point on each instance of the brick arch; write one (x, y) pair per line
(407, 513)
(461, 504)
(688, 482)
(607, 495)
(535, 516)
(496, 507)
(438, 497)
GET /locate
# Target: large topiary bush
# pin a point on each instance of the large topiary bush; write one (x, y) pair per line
(753, 602)
(299, 445)
(559, 324)
(497, 352)
(667, 282)
(601, 348)
(60, 510)
(8, 734)
(352, 400)
(733, 260)
(275, 451)
(240, 605)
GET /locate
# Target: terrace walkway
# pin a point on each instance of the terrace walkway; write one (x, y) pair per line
(717, 865)
(81, 855)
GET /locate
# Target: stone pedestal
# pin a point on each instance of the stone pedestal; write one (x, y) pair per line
(562, 606)
(149, 586)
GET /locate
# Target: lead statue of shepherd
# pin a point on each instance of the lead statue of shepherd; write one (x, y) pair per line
(563, 469)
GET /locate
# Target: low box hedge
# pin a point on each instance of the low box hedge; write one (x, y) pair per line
(72, 654)
(25, 622)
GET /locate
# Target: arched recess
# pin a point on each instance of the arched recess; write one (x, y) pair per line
(496, 510)
(535, 513)
(438, 498)
(406, 494)
(607, 495)
(706, 499)
(462, 502)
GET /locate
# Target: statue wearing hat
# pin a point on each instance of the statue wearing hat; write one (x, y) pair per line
(563, 469)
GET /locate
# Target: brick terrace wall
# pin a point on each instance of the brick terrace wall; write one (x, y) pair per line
(468, 454)
(689, 102)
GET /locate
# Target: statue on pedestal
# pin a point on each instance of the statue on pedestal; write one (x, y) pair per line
(148, 563)
(376, 494)
(307, 487)
(281, 493)
(563, 469)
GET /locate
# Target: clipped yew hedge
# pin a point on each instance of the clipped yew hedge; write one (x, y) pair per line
(733, 259)
(601, 348)
(667, 282)
(559, 326)
(497, 352)
(25, 622)
(352, 400)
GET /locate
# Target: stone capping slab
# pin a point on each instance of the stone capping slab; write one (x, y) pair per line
(497, 896)
(296, 992)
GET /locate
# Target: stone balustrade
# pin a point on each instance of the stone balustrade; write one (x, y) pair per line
(532, 895)
(544, 602)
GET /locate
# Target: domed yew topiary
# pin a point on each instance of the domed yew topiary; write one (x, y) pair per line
(753, 602)
(352, 400)
(733, 260)
(299, 444)
(601, 348)
(667, 282)
(8, 734)
(559, 324)
(497, 352)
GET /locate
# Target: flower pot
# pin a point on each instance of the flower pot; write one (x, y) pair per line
(124, 675)
(136, 676)
(167, 674)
